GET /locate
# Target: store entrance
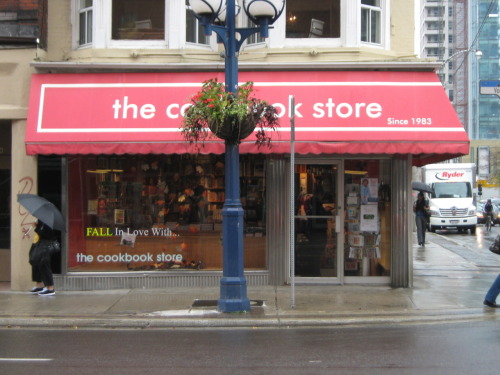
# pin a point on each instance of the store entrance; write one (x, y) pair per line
(317, 220)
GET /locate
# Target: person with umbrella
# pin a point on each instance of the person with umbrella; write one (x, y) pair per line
(420, 207)
(40, 260)
(44, 242)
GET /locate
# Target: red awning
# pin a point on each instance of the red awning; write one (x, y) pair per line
(362, 113)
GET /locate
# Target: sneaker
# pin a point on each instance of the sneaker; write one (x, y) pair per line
(47, 292)
(491, 304)
(36, 290)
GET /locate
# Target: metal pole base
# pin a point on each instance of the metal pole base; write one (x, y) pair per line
(233, 295)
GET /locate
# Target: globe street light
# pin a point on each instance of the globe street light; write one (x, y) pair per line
(220, 16)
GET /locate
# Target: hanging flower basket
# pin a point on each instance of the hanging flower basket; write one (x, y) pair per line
(231, 117)
(232, 130)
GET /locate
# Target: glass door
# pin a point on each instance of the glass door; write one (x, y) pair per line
(317, 220)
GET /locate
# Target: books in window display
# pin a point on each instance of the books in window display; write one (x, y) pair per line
(171, 225)
(119, 216)
(356, 239)
(216, 196)
(351, 265)
(92, 206)
(355, 253)
(371, 253)
(352, 200)
(207, 227)
(353, 226)
(255, 231)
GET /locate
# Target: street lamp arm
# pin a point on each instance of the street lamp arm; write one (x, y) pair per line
(478, 55)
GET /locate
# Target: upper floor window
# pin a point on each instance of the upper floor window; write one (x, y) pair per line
(138, 19)
(171, 24)
(371, 21)
(313, 19)
(435, 12)
(255, 38)
(194, 30)
(85, 15)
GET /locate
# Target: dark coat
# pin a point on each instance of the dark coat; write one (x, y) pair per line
(46, 245)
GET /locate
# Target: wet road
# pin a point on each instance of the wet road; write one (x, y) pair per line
(464, 348)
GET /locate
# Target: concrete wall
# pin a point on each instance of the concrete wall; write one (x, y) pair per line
(403, 28)
(15, 74)
(24, 180)
(59, 31)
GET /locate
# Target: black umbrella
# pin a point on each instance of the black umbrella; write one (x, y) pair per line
(420, 186)
(43, 210)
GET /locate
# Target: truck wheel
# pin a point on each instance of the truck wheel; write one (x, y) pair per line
(432, 229)
(472, 230)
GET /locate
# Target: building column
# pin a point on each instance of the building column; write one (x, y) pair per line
(401, 229)
(24, 180)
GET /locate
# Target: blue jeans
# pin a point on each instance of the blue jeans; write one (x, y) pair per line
(494, 290)
(421, 225)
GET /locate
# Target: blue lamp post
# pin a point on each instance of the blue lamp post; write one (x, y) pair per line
(216, 16)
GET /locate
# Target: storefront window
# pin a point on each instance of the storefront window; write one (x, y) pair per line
(138, 19)
(316, 220)
(158, 212)
(367, 240)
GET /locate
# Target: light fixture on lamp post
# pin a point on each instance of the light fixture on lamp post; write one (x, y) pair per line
(459, 102)
(220, 16)
(478, 54)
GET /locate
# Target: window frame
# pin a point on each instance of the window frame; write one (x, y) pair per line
(371, 10)
(175, 30)
(126, 43)
(345, 9)
(255, 39)
(86, 12)
(198, 27)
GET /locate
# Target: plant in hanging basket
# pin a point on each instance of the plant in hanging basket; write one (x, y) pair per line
(228, 116)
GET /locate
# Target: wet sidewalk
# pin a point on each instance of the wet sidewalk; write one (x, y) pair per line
(447, 287)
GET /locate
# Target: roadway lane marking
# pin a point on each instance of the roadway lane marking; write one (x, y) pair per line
(25, 359)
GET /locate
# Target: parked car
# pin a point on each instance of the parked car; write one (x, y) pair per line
(496, 201)
(480, 216)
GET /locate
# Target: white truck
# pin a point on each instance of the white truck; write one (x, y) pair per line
(452, 202)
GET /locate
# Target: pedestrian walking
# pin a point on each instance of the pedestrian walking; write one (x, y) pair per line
(421, 207)
(491, 296)
(40, 259)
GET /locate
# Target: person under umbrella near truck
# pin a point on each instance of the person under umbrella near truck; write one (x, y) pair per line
(421, 207)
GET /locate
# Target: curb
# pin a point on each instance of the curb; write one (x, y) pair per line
(276, 321)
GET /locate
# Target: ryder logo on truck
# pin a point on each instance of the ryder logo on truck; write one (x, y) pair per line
(443, 176)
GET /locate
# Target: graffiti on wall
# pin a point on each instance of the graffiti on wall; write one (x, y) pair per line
(26, 186)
